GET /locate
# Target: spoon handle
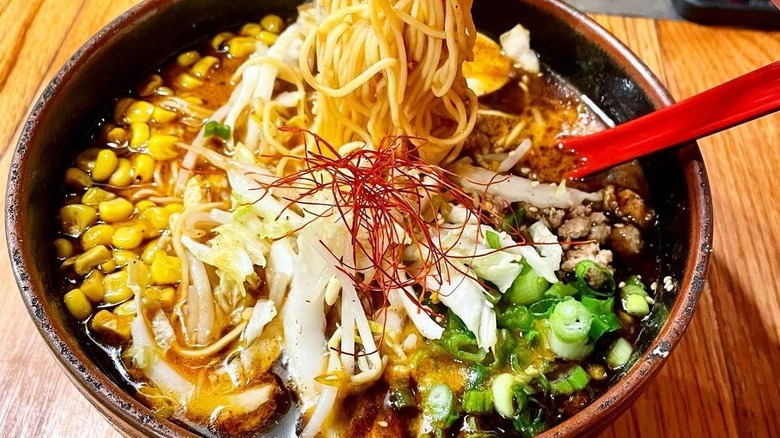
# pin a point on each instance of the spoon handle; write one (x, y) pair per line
(732, 103)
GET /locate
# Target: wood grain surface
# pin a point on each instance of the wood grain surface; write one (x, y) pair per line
(720, 381)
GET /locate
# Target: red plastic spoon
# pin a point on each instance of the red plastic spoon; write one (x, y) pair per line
(737, 101)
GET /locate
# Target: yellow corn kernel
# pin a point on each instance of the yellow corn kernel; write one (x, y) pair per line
(148, 231)
(116, 288)
(165, 269)
(77, 178)
(162, 115)
(141, 206)
(123, 175)
(115, 328)
(128, 237)
(68, 262)
(105, 164)
(63, 248)
(186, 59)
(241, 47)
(267, 38)
(175, 129)
(164, 296)
(174, 208)
(107, 267)
(157, 216)
(125, 309)
(92, 286)
(150, 86)
(99, 234)
(164, 91)
(117, 136)
(195, 100)
(95, 195)
(188, 81)
(147, 255)
(139, 135)
(123, 256)
(91, 258)
(139, 112)
(219, 42)
(163, 147)
(143, 168)
(86, 160)
(121, 108)
(78, 305)
(76, 218)
(202, 67)
(272, 23)
(250, 30)
(115, 210)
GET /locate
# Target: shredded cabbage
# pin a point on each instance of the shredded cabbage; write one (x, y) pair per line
(513, 188)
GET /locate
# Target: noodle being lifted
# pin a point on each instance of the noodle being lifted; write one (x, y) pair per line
(336, 228)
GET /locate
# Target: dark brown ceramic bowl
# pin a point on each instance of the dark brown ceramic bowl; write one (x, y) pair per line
(118, 56)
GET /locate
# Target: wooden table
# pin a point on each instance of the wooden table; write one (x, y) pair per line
(721, 381)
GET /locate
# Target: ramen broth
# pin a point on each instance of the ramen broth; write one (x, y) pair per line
(542, 104)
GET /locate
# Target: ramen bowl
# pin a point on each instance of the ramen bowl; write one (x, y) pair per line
(572, 45)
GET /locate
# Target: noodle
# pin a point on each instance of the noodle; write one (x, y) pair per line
(373, 78)
(372, 65)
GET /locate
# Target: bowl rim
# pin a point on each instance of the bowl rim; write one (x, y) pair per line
(131, 416)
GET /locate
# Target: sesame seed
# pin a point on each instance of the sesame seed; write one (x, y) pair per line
(534, 183)
(654, 286)
(382, 423)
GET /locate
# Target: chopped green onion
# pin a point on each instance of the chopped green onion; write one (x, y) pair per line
(570, 321)
(455, 324)
(463, 346)
(543, 382)
(506, 345)
(517, 318)
(573, 351)
(634, 281)
(513, 220)
(532, 336)
(569, 325)
(478, 402)
(632, 289)
(476, 376)
(459, 342)
(509, 398)
(588, 272)
(493, 240)
(215, 128)
(439, 406)
(560, 290)
(400, 397)
(530, 426)
(528, 287)
(635, 298)
(636, 305)
(576, 379)
(543, 308)
(520, 359)
(492, 296)
(604, 318)
(619, 353)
